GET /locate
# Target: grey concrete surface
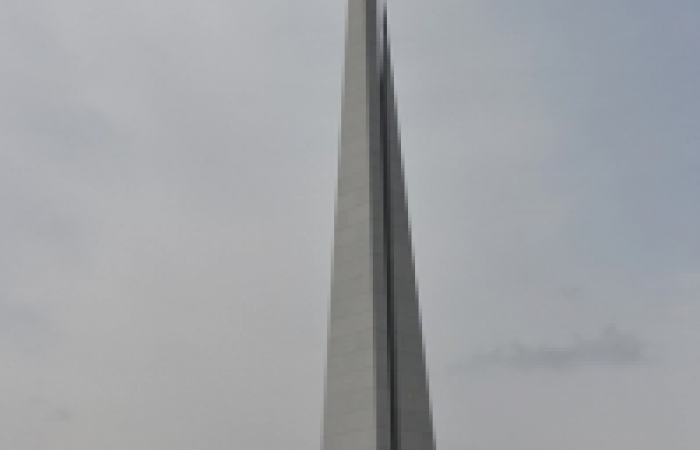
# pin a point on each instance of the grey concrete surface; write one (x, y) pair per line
(376, 383)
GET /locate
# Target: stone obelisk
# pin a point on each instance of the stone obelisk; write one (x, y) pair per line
(376, 384)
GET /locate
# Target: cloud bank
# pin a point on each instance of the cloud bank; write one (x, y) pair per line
(612, 348)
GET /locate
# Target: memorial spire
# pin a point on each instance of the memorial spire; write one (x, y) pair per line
(376, 383)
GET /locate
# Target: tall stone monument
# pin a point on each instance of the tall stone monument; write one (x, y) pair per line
(376, 384)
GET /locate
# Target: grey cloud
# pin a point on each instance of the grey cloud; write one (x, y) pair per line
(611, 348)
(59, 415)
(24, 327)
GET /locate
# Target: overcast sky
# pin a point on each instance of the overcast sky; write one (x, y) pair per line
(167, 173)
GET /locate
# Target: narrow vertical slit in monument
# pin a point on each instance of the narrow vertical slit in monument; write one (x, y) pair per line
(388, 242)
